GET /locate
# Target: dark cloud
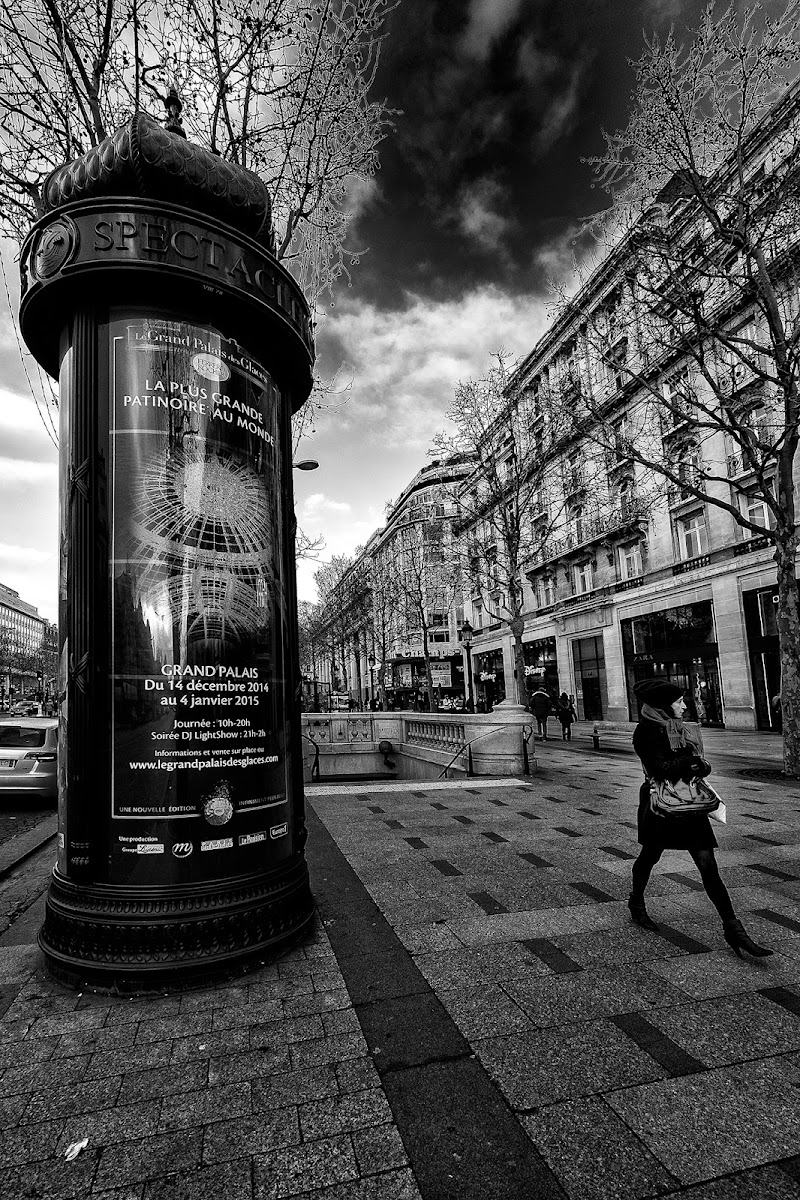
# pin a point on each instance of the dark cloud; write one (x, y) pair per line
(500, 100)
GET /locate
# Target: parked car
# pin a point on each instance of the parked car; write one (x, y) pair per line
(24, 708)
(29, 756)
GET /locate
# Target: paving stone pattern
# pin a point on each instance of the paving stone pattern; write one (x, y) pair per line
(260, 1088)
(638, 1064)
(474, 1018)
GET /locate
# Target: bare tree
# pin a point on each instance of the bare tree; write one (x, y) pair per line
(692, 317)
(280, 87)
(385, 594)
(427, 577)
(344, 601)
(311, 642)
(511, 506)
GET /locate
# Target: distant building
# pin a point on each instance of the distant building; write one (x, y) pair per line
(23, 630)
(409, 557)
(28, 645)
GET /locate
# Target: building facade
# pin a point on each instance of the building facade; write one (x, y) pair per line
(28, 648)
(401, 594)
(641, 575)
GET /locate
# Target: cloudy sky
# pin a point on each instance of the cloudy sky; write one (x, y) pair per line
(473, 212)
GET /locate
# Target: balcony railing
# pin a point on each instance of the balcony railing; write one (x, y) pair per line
(626, 585)
(596, 528)
(751, 544)
(692, 564)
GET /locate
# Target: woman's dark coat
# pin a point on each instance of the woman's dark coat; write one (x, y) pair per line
(660, 761)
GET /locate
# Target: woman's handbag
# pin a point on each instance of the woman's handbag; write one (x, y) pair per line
(682, 799)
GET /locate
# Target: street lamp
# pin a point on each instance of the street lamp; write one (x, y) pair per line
(466, 640)
(306, 464)
(371, 663)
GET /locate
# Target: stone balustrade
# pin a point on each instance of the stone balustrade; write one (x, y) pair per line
(423, 745)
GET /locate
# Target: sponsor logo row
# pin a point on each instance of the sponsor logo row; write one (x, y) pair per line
(184, 849)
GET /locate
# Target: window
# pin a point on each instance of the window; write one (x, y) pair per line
(755, 509)
(582, 578)
(620, 449)
(477, 615)
(693, 535)
(678, 393)
(545, 592)
(576, 525)
(574, 473)
(689, 469)
(630, 561)
(535, 399)
(618, 374)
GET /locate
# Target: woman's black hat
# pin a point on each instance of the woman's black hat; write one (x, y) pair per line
(659, 692)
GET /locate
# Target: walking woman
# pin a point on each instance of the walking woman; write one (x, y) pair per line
(672, 750)
(566, 714)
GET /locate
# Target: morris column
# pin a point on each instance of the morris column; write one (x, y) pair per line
(151, 291)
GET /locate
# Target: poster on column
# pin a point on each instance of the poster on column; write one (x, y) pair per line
(199, 731)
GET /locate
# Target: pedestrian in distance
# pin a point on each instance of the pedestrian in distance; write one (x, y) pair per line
(566, 714)
(671, 749)
(541, 707)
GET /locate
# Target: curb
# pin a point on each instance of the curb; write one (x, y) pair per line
(22, 847)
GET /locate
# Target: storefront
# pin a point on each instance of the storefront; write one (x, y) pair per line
(760, 609)
(410, 683)
(490, 679)
(591, 695)
(680, 644)
(541, 669)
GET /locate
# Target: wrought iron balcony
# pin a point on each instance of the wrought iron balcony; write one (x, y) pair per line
(599, 527)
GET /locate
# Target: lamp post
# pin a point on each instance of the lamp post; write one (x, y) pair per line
(466, 641)
(371, 662)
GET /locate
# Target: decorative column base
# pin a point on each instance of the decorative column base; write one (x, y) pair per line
(141, 939)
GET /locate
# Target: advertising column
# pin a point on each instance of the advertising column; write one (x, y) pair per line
(200, 711)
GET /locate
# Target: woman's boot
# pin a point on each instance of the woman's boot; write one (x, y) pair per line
(738, 940)
(639, 913)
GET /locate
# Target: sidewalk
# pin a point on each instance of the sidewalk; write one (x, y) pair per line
(754, 744)
(474, 1017)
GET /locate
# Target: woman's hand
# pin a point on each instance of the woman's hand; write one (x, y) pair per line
(699, 768)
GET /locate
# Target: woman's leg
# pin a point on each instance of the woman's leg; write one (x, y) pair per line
(733, 931)
(706, 863)
(640, 871)
(648, 857)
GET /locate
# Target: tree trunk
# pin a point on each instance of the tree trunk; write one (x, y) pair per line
(382, 684)
(428, 676)
(788, 619)
(516, 625)
(519, 662)
(357, 660)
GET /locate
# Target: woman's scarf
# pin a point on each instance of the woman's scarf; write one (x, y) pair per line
(680, 733)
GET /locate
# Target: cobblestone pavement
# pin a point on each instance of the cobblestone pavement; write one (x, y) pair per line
(638, 1064)
(474, 1016)
(17, 818)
